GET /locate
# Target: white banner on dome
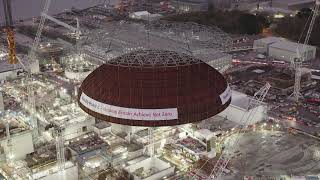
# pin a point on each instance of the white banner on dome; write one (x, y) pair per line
(226, 95)
(128, 113)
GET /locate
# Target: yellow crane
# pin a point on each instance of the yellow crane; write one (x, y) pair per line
(10, 32)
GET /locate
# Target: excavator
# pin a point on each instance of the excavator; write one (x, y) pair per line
(10, 32)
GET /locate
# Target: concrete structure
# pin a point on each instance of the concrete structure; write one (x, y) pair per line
(102, 128)
(190, 5)
(286, 51)
(50, 172)
(238, 110)
(150, 169)
(262, 45)
(1, 103)
(145, 15)
(76, 75)
(8, 71)
(293, 4)
(220, 4)
(22, 144)
(282, 49)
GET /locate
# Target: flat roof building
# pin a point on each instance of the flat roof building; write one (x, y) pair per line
(293, 4)
(190, 5)
(287, 50)
(8, 71)
(239, 111)
(283, 49)
(262, 45)
(151, 168)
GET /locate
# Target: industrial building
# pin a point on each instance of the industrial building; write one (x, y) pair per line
(282, 49)
(190, 5)
(262, 45)
(145, 15)
(286, 51)
(221, 4)
(151, 168)
(294, 5)
(239, 108)
(9, 71)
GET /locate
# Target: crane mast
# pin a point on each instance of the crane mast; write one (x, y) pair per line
(297, 62)
(33, 67)
(60, 150)
(224, 159)
(10, 32)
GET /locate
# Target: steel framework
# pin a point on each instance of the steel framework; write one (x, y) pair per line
(60, 151)
(224, 158)
(297, 62)
(30, 70)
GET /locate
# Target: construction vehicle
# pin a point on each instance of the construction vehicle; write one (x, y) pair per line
(10, 32)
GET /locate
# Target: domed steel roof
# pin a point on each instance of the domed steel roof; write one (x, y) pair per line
(154, 88)
(153, 58)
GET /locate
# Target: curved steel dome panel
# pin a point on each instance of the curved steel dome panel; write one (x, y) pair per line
(154, 88)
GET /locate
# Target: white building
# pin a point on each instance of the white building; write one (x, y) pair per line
(22, 144)
(1, 102)
(8, 71)
(238, 110)
(287, 50)
(293, 4)
(262, 45)
(150, 169)
(145, 15)
(282, 49)
(50, 172)
(190, 5)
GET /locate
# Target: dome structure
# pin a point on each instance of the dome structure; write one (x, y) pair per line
(154, 88)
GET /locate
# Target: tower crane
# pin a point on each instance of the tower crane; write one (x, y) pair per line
(10, 32)
(224, 159)
(33, 67)
(297, 61)
(75, 30)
